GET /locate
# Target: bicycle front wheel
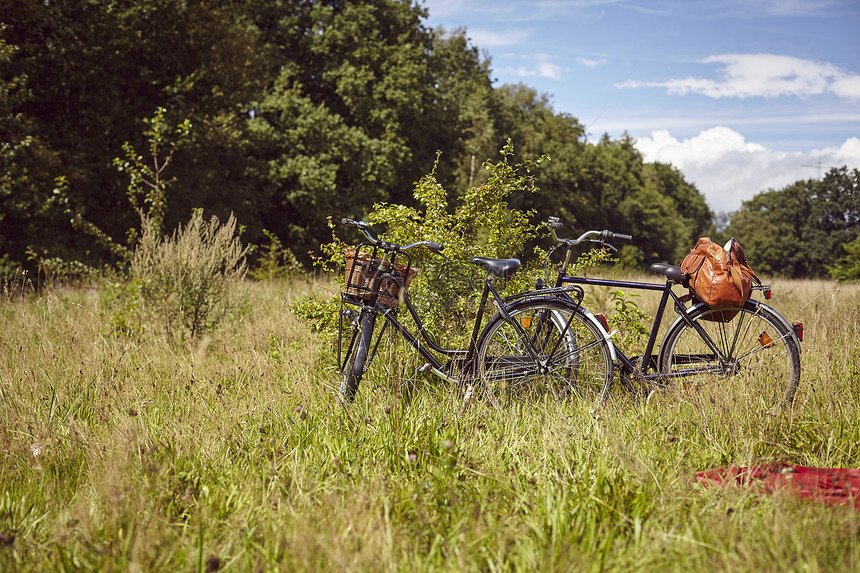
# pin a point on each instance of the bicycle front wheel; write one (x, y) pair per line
(549, 348)
(355, 361)
(748, 353)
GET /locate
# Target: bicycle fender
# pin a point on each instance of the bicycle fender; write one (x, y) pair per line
(758, 305)
(784, 322)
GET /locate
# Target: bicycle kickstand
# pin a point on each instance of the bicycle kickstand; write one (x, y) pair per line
(470, 388)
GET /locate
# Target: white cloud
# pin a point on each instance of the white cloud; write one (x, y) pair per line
(543, 68)
(488, 39)
(728, 170)
(763, 75)
(847, 87)
(590, 63)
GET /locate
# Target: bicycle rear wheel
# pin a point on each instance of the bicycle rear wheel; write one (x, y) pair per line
(572, 355)
(355, 361)
(757, 357)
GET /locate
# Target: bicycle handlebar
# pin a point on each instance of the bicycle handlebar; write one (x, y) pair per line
(364, 227)
(352, 223)
(554, 223)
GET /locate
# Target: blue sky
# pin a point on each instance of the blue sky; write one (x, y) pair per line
(741, 96)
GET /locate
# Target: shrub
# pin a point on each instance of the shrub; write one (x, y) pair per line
(187, 280)
(481, 223)
(848, 268)
(274, 260)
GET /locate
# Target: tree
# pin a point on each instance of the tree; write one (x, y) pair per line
(461, 113)
(301, 110)
(528, 119)
(607, 185)
(799, 231)
(364, 99)
(94, 71)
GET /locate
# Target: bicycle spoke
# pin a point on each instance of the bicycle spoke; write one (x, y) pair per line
(551, 350)
(765, 370)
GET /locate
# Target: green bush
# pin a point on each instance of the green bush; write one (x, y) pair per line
(481, 223)
(273, 260)
(187, 281)
(848, 268)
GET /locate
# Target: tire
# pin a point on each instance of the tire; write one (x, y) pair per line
(758, 361)
(575, 360)
(355, 360)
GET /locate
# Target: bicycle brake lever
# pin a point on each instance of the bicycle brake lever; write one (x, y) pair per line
(605, 244)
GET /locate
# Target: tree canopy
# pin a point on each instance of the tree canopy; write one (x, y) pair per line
(800, 230)
(299, 110)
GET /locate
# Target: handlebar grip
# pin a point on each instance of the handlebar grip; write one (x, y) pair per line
(554, 223)
(433, 246)
(353, 223)
(609, 235)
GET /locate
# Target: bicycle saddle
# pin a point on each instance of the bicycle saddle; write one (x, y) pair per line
(499, 267)
(673, 272)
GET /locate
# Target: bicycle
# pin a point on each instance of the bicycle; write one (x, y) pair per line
(537, 343)
(752, 344)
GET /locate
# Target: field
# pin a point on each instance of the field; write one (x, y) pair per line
(132, 452)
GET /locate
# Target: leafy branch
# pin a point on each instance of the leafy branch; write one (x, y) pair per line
(147, 188)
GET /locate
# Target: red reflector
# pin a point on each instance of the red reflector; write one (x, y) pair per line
(602, 318)
(767, 293)
(798, 330)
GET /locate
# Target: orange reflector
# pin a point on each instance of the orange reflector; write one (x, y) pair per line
(526, 321)
(765, 340)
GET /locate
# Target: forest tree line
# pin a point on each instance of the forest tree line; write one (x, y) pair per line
(298, 110)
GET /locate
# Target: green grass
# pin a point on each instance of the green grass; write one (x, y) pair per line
(134, 453)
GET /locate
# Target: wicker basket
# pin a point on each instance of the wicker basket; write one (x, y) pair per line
(361, 272)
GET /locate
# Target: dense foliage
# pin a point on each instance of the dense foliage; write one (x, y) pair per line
(300, 110)
(303, 110)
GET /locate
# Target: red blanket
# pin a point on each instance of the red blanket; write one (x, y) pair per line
(835, 486)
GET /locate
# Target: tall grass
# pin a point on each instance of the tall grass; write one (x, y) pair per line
(229, 452)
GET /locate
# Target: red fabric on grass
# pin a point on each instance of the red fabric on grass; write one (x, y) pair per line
(835, 486)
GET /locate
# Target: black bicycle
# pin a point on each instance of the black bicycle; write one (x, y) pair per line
(537, 343)
(750, 351)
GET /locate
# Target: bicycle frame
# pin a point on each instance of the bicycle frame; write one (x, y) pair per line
(648, 360)
(463, 358)
(647, 369)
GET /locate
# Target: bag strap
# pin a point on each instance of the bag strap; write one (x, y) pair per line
(736, 279)
(702, 258)
(739, 259)
(753, 277)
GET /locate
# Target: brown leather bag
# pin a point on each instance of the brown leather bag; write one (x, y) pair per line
(719, 277)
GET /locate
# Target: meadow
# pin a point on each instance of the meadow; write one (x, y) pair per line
(130, 451)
